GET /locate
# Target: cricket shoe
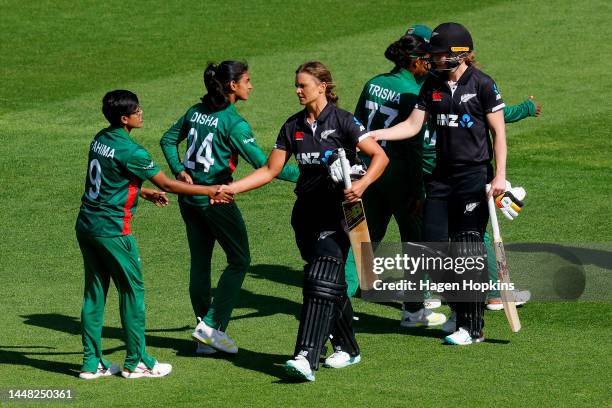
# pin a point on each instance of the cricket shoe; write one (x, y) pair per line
(451, 324)
(422, 317)
(462, 338)
(100, 372)
(299, 367)
(432, 303)
(142, 371)
(204, 349)
(520, 298)
(214, 338)
(341, 359)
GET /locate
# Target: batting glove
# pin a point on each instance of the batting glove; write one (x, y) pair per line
(335, 171)
(510, 202)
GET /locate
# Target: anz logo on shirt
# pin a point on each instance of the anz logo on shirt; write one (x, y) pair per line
(451, 120)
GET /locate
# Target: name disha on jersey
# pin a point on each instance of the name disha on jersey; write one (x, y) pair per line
(204, 119)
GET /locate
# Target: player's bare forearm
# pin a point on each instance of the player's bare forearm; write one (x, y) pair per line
(178, 187)
(498, 128)
(262, 175)
(403, 130)
(377, 166)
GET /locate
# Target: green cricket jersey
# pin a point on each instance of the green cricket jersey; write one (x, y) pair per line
(512, 114)
(215, 139)
(387, 100)
(116, 168)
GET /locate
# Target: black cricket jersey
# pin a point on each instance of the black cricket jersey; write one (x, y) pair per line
(458, 116)
(313, 145)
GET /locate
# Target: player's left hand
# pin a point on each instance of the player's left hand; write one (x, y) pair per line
(538, 108)
(156, 197)
(498, 186)
(356, 191)
(510, 202)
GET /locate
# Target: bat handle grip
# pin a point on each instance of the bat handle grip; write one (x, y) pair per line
(493, 216)
(346, 168)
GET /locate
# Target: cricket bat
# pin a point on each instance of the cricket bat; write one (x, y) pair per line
(502, 269)
(359, 234)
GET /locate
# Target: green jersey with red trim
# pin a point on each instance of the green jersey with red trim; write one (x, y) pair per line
(215, 139)
(387, 100)
(116, 168)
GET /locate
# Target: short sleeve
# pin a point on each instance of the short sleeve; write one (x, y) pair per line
(490, 97)
(422, 102)
(283, 140)
(354, 129)
(141, 164)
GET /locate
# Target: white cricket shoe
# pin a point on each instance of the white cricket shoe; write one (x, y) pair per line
(299, 367)
(422, 317)
(451, 324)
(462, 338)
(141, 371)
(432, 303)
(100, 372)
(214, 338)
(520, 298)
(341, 359)
(204, 349)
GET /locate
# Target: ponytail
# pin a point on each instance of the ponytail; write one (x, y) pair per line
(217, 79)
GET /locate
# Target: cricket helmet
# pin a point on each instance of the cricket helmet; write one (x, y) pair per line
(450, 38)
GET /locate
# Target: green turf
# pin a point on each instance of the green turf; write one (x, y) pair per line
(58, 59)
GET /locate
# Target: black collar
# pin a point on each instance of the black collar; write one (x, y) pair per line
(323, 115)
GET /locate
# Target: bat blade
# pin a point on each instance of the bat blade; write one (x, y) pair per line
(359, 236)
(506, 295)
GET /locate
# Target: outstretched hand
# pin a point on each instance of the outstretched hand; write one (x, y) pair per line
(537, 105)
(223, 195)
(156, 197)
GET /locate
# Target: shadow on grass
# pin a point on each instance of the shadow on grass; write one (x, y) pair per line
(25, 358)
(251, 360)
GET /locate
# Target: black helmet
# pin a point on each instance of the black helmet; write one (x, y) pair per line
(449, 38)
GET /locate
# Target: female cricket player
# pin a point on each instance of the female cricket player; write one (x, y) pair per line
(313, 135)
(463, 105)
(216, 135)
(388, 99)
(116, 168)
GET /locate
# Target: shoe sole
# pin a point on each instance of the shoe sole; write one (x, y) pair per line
(203, 340)
(451, 342)
(206, 352)
(96, 375)
(352, 360)
(295, 373)
(421, 324)
(134, 376)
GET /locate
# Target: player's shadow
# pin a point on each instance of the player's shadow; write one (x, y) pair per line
(27, 356)
(252, 360)
(268, 305)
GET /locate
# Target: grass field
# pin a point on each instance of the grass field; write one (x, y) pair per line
(59, 58)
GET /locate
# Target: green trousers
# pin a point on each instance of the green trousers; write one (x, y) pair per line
(205, 226)
(114, 258)
(398, 193)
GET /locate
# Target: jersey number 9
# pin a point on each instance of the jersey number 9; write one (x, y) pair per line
(95, 178)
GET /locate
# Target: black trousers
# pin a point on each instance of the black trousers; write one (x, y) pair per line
(456, 203)
(320, 233)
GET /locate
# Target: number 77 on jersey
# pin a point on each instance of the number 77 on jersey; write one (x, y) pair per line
(358, 231)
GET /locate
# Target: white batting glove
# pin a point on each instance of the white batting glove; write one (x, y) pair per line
(510, 202)
(335, 171)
